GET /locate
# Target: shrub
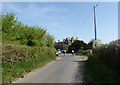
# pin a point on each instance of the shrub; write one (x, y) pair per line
(98, 72)
(17, 60)
(103, 64)
(27, 48)
(16, 32)
(109, 54)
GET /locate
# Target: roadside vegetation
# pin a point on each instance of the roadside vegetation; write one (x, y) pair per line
(103, 64)
(24, 48)
(80, 47)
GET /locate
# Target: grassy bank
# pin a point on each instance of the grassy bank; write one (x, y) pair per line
(98, 72)
(103, 65)
(18, 60)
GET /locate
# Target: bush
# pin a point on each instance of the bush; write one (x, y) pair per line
(109, 54)
(103, 64)
(29, 47)
(17, 33)
(98, 72)
(17, 60)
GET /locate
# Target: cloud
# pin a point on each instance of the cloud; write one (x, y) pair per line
(34, 10)
(56, 19)
(52, 17)
(31, 8)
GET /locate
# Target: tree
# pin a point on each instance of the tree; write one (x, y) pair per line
(16, 32)
(8, 21)
(49, 40)
(65, 47)
(90, 45)
(76, 46)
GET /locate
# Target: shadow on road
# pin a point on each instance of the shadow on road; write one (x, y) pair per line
(80, 76)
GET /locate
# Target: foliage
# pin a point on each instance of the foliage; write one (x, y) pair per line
(65, 47)
(18, 60)
(109, 54)
(16, 32)
(98, 72)
(24, 47)
(76, 46)
(50, 40)
(8, 21)
(84, 52)
(90, 45)
(105, 60)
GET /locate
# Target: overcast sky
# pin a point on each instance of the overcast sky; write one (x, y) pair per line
(67, 19)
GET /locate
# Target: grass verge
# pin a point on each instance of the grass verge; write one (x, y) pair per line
(98, 72)
(17, 60)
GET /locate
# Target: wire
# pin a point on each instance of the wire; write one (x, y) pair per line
(85, 21)
(82, 25)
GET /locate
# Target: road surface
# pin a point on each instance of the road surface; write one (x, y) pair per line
(67, 69)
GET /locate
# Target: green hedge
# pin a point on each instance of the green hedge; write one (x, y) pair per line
(14, 31)
(29, 47)
(18, 60)
(98, 72)
(104, 64)
(109, 54)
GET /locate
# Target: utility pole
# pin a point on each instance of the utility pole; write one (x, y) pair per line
(95, 41)
(95, 24)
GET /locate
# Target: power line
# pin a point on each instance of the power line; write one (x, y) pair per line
(85, 21)
(82, 25)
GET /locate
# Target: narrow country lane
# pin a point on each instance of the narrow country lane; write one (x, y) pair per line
(67, 69)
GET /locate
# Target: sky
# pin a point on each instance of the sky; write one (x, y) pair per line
(67, 19)
(119, 21)
(60, 0)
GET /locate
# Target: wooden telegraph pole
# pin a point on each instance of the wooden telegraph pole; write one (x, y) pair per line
(95, 41)
(95, 24)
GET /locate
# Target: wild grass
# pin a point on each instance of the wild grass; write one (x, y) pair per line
(103, 65)
(98, 72)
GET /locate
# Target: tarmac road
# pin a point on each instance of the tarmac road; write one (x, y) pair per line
(66, 69)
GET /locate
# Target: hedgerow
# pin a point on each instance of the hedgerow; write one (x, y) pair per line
(18, 60)
(103, 66)
(24, 48)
